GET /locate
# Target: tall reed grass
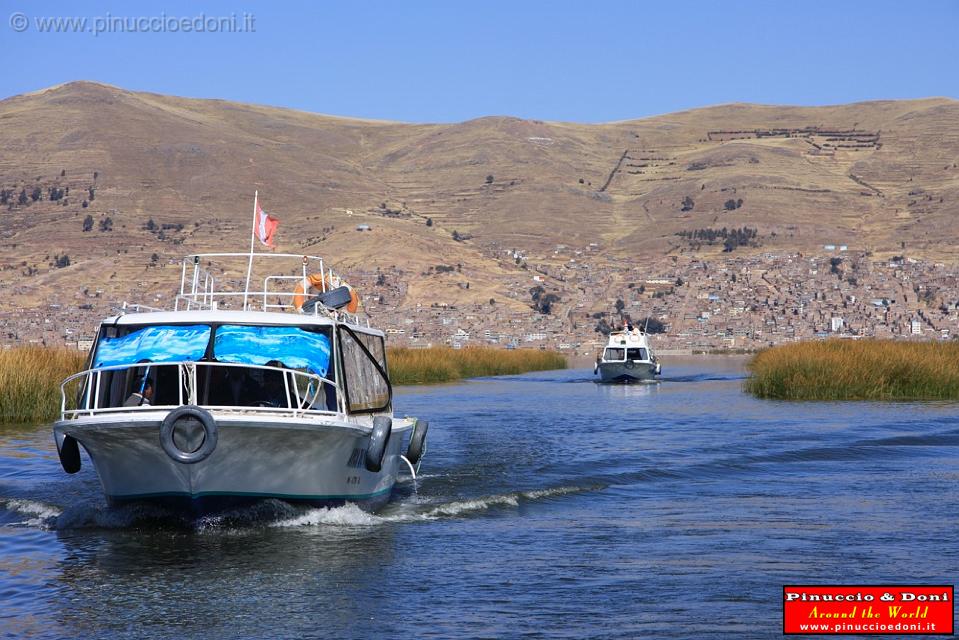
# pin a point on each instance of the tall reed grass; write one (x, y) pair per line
(30, 382)
(30, 376)
(857, 370)
(443, 364)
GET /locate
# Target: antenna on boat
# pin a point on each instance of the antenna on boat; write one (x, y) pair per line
(646, 324)
(249, 268)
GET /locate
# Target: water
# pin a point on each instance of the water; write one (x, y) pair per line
(550, 507)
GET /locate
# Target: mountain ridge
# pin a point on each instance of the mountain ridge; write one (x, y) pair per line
(878, 176)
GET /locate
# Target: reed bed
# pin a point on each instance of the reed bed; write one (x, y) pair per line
(30, 376)
(30, 382)
(856, 370)
(443, 364)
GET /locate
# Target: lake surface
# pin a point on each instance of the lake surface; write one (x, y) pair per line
(548, 507)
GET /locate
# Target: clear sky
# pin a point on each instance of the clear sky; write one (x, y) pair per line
(451, 61)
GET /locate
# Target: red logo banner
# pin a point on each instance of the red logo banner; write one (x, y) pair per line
(895, 609)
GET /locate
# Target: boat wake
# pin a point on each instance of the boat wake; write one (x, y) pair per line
(271, 513)
(702, 377)
(36, 514)
(420, 510)
(705, 377)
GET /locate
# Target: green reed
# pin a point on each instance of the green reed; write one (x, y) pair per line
(443, 364)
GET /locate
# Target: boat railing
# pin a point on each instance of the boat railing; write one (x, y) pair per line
(635, 333)
(135, 307)
(83, 393)
(201, 290)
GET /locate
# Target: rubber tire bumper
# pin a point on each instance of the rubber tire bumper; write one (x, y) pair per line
(379, 440)
(417, 445)
(69, 452)
(209, 434)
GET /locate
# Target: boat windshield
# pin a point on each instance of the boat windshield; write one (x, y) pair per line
(637, 354)
(614, 354)
(157, 343)
(144, 351)
(290, 347)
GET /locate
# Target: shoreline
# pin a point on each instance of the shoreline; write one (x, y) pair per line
(434, 365)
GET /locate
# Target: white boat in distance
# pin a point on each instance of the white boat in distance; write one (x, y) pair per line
(239, 395)
(627, 357)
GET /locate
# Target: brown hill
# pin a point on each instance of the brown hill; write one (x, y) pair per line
(878, 175)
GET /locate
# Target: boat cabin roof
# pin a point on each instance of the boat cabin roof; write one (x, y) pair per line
(256, 318)
(634, 338)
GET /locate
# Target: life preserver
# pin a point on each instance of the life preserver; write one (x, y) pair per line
(315, 281)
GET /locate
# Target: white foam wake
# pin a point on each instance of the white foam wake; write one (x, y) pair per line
(459, 507)
(347, 515)
(274, 513)
(40, 514)
(419, 510)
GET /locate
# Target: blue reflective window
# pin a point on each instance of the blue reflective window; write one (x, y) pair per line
(292, 347)
(154, 344)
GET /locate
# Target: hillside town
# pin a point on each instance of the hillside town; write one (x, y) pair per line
(572, 297)
(704, 305)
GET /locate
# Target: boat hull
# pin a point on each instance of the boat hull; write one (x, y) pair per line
(613, 372)
(296, 460)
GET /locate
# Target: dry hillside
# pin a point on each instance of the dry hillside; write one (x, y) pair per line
(879, 176)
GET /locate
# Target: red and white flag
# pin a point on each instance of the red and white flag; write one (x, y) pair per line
(265, 226)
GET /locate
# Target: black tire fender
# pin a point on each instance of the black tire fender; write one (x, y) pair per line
(379, 440)
(183, 414)
(69, 451)
(417, 446)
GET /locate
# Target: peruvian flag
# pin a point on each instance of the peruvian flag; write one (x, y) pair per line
(265, 226)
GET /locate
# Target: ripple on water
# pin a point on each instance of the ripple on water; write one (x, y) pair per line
(548, 506)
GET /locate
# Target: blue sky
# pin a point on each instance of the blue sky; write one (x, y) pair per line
(452, 61)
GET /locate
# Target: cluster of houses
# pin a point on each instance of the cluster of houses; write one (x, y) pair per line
(724, 302)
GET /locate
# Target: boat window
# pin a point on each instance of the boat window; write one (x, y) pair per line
(157, 343)
(615, 354)
(289, 347)
(364, 372)
(145, 346)
(636, 354)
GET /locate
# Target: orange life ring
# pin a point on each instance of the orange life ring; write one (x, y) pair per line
(316, 281)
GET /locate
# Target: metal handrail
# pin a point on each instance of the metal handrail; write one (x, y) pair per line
(205, 289)
(187, 389)
(246, 254)
(137, 307)
(351, 318)
(198, 286)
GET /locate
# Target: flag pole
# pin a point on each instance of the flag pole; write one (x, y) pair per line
(249, 268)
